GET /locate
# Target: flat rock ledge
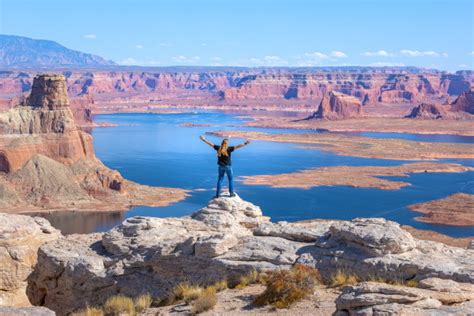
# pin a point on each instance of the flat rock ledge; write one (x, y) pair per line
(433, 296)
(225, 239)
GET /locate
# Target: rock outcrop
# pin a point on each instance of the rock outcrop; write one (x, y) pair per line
(464, 103)
(20, 238)
(433, 296)
(428, 111)
(46, 161)
(335, 105)
(226, 238)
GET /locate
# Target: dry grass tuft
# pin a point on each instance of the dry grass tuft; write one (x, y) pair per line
(251, 278)
(143, 302)
(285, 287)
(221, 285)
(187, 292)
(90, 311)
(119, 304)
(205, 301)
(399, 282)
(341, 278)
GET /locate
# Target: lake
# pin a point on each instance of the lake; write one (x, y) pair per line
(154, 149)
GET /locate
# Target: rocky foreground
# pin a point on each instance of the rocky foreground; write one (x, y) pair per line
(230, 237)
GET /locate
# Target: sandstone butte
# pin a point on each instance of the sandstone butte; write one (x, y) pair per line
(224, 240)
(48, 163)
(335, 105)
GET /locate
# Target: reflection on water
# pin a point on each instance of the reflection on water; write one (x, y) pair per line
(73, 222)
(154, 149)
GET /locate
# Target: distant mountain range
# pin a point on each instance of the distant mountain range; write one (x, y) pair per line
(24, 52)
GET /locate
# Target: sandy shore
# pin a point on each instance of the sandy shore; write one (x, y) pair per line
(365, 147)
(455, 210)
(359, 177)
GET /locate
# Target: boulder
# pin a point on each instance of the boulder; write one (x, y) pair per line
(20, 238)
(375, 247)
(336, 105)
(439, 297)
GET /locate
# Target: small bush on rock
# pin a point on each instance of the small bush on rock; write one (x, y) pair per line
(285, 287)
(119, 305)
(205, 301)
(251, 278)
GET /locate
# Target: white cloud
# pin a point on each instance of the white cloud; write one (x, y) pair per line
(417, 53)
(338, 54)
(139, 46)
(185, 59)
(269, 60)
(164, 44)
(379, 53)
(129, 61)
(386, 64)
(444, 54)
(471, 53)
(89, 36)
(203, 44)
(316, 55)
(463, 66)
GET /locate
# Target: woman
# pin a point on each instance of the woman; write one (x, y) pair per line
(224, 151)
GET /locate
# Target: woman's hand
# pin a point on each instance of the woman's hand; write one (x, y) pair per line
(247, 142)
(202, 138)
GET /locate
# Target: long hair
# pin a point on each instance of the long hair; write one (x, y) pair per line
(223, 149)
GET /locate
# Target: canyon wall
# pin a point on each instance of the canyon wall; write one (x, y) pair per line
(246, 85)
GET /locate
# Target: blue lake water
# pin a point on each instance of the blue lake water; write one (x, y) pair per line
(153, 149)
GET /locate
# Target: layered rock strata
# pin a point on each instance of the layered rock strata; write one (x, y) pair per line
(226, 238)
(335, 105)
(47, 162)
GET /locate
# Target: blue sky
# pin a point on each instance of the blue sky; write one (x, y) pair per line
(427, 33)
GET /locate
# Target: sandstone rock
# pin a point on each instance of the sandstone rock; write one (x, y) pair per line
(428, 111)
(370, 298)
(25, 311)
(230, 237)
(49, 92)
(46, 162)
(380, 248)
(465, 102)
(335, 105)
(20, 238)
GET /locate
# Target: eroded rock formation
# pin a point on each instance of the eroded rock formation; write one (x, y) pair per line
(226, 238)
(20, 238)
(428, 111)
(46, 161)
(335, 105)
(464, 103)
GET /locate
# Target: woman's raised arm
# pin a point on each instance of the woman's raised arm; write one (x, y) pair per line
(242, 145)
(206, 141)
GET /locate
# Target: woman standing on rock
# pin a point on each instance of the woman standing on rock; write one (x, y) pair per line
(224, 152)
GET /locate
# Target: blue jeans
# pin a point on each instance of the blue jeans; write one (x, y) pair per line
(222, 171)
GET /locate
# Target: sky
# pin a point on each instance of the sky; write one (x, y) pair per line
(425, 33)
